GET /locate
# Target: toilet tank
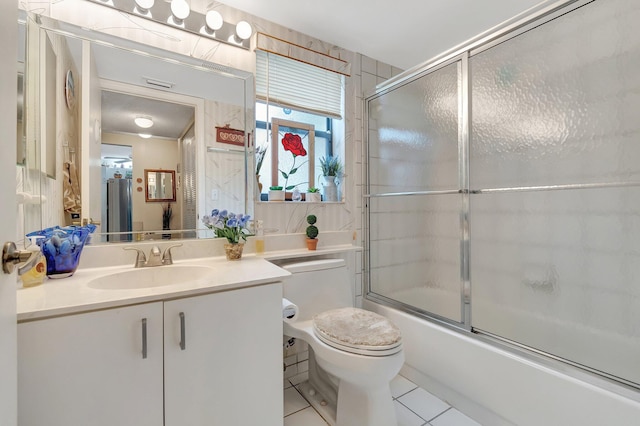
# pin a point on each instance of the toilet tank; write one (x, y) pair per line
(317, 285)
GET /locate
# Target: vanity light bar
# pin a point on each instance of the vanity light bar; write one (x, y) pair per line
(161, 12)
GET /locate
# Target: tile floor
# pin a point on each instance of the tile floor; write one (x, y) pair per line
(414, 407)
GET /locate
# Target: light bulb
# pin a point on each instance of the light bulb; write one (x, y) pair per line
(144, 135)
(144, 122)
(214, 20)
(180, 9)
(144, 5)
(243, 30)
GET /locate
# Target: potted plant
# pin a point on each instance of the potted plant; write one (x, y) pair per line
(276, 193)
(230, 226)
(260, 153)
(312, 232)
(332, 168)
(313, 195)
(167, 214)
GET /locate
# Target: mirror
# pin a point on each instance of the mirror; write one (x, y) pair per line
(117, 81)
(160, 185)
(22, 42)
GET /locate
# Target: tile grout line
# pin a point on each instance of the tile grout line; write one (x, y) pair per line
(400, 396)
(440, 414)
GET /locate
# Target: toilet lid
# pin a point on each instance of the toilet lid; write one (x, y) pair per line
(359, 331)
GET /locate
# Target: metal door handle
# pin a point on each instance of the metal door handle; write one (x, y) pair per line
(183, 341)
(11, 257)
(144, 338)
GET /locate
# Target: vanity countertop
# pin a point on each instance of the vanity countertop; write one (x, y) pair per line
(74, 294)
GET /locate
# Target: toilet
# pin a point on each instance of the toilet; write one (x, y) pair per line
(353, 354)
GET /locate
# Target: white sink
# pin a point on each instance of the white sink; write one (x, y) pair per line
(150, 277)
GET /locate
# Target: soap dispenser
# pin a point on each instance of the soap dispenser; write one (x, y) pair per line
(35, 275)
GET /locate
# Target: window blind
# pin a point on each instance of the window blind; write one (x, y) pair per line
(291, 83)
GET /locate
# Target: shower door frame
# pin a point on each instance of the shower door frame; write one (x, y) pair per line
(507, 30)
(464, 53)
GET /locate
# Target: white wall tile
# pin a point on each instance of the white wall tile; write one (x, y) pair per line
(368, 65)
(383, 70)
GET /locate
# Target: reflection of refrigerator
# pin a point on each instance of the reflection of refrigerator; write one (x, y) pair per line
(119, 209)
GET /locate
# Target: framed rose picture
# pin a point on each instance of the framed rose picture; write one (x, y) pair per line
(292, 159)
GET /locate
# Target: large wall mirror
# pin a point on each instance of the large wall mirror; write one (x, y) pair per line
(164, 109)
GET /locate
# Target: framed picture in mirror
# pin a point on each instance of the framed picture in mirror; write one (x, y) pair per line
(160, 185)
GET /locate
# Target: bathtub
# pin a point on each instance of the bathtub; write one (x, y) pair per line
(500, 386)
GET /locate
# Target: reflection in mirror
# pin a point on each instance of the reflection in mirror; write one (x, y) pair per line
(212, 96)
(160, 185)
(20, 146)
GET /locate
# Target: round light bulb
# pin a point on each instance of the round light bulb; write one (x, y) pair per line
(213, 20)
(144, 135)
(243, 30)
(145, 4)
(144, 122)
(180, 9)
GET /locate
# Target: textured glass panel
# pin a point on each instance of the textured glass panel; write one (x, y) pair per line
(560, 104)
(560, 271)
(413, 135)
(415, 251)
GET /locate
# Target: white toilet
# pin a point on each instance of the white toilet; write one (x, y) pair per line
(353, 352)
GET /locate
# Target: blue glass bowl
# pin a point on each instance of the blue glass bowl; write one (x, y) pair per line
(62, 248)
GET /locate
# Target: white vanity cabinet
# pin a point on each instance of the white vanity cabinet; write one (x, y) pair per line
(229, 369)
(212, 359)
(89, 369)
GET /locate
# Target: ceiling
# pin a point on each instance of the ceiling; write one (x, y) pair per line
(402, 33)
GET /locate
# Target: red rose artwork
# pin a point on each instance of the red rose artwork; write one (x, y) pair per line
(293, 144)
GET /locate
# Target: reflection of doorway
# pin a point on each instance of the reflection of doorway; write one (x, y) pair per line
(155, 146)
(117, 174)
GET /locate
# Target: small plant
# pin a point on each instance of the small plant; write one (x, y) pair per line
(331, 166)
(228, 225)
(167, 214)
(275, 188)
(260, 153)
(313, 190)
(312, 230)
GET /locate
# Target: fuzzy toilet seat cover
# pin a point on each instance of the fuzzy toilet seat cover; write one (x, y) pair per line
(356, 328)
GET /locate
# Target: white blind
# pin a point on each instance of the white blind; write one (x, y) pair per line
(301, 86)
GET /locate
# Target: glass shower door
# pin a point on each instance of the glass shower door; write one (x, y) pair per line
(414, 199)
(555, 182)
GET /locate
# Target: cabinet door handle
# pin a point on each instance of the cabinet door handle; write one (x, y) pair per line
(144, 338)
(183, 341)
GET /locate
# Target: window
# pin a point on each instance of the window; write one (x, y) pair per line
(315, 134)
(301, 104)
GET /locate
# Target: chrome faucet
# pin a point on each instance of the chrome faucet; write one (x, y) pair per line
(156, 257)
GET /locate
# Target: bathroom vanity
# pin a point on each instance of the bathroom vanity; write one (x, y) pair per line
(202, 351)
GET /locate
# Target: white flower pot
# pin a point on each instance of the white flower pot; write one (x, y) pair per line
(329, 188)
(313, 197)
(275, 195)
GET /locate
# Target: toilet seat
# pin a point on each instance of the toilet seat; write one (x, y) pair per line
(357, 331)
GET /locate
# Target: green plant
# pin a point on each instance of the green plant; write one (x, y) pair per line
(260, 153)
(331, 166)
(275, 188)
(228, 225)
(313, 189)
(312, 230)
